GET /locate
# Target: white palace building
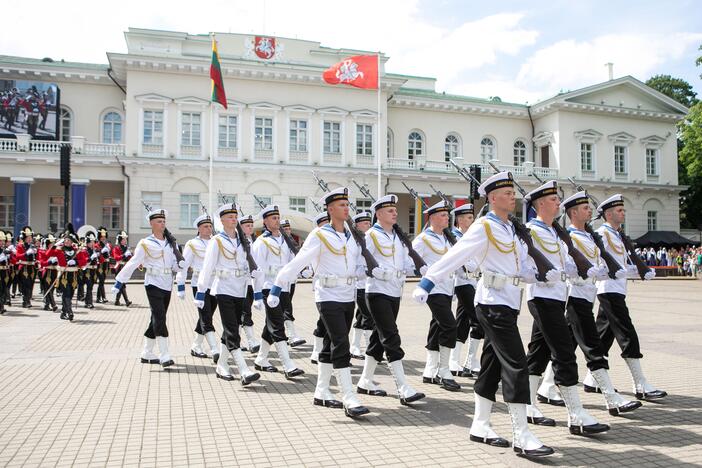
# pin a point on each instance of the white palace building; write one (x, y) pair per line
(141, 129)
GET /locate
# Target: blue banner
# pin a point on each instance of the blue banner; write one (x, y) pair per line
(78, 205)
(21, 206)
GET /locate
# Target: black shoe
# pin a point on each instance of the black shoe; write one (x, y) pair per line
(328, 403)
(654, 395)
(54, 308)
(298, 342)
(542, 451)
(293, 373)
(64, 316)
(591, 389)
(117, 303)
(356, 412)
(363, 391)
(168, 363)
(431, 380)
(464, 372)
(449, 384)
(313, 361)
(493, 442)
(149, 361)
(358, 356)
(127, 303)
(196, 354)
(254, 349)
(228, 378)
(631, 406)
(268, 368)
(541, 421)
(46, 307)
(89, 306)
(70, 316)
(548, 401)
(411, 399)
(252, 378)
(215, 357)
(590, 429)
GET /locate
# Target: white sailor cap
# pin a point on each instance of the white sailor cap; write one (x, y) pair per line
(269, 210)
(611, 202)
(499, 180)
(549, 188)
(384, 202)
(228, 208)
(341, 193)
(321, 218)
(437, 208)
(466, 208)
(200, 220)
(156, 213)
(578, 198)
(285, 222)
(362, 216)
(246, 219)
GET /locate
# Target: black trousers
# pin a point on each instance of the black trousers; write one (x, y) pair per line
(337, 318)
(246, 318)
(4, 287)
(68, 283)
(27, 283)
(81, 285)
(204, 314)
(158, 302)
(550, 341)
(90, 277)
(385, 337)
(466, 321)
(364, 320)
(319, 330)
(584, 332)
(230, 308)
(442, 326)
(274, 331)
(503, 355)
(47, 280)
(122, 293)
(614, 321)
(288, 307)
(101, 275)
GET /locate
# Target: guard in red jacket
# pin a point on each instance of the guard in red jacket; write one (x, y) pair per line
(121, 255)
(48, 271)
(70, 260)
(26, 256)
(104, 247)
(90, 275)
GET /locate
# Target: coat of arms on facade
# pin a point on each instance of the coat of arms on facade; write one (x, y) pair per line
(263, 47)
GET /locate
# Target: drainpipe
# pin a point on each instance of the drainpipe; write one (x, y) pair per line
(533, 145)
(126, 194)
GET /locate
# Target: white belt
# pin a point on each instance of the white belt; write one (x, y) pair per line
(391, 273)
(578, 281)
(3, 267)
(468, 275)
(498, 280)
(332, 281)
(69, 269)
(235, 272)
(159, 271)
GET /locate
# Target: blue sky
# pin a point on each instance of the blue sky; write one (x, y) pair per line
(520, 51)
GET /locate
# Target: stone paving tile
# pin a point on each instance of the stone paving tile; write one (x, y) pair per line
(75, 394)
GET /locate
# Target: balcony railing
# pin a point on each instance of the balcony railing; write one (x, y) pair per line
(445, 167)
(405, 164)
(26, 145)
(104, 149)
(299, 156)
(365, 160)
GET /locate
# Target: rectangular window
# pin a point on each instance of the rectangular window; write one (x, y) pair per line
(298, 135)
(189, 209)
(363, 204)
(620, 160)
(227, 131)
(56, 213)
(586, 157)
(652, 217)
(364, 139)
(332, 137)
(111, 212)
(7, 211)
(190, 129)
(153, 199)
(298, 204)
(153, 128)
(264, 133)
(651, 162)
(266, 200)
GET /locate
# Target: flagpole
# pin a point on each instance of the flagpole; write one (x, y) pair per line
(377, 137)
(212, 148)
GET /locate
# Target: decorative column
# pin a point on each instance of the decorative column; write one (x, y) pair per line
(22, 202)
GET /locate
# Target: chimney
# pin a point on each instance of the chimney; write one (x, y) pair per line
(610, 70)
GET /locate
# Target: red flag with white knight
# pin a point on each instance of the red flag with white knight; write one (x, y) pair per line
(360, 71)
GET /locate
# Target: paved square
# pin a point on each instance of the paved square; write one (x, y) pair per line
(76, 394)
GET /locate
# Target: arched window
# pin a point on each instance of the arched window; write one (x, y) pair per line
(390, 144)
(452, 148)
(66, 119)
(519, 152)
(415, 145)
(112, 128)
(487, 149)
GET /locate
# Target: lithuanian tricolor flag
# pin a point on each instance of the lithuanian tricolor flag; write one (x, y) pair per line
(216, 76)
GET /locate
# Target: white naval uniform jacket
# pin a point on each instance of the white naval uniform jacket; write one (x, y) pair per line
(225, 270)
(392, 256)
(271, 254)
(463, 277)
(194, 257)
(493, 245)
(615, 246)
(158, 261)
(554, 249)
(432, 247)
(578, 287)
(331, 254)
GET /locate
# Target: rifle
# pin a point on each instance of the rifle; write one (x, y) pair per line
(469, 178)
(170, 238)
(612, 264)
(578, 257)
(447, 230)
(242, 238)
(288, 241)
(404, 238)
(358, 236)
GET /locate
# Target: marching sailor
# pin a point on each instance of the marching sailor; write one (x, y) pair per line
(226, 274)
(157, 257)
(294, 339)
(492, 245)
(432, 245)
(320, 220)
(335, 257)
(363, 325)
(272, 253)
(246, 319)
(194, 256)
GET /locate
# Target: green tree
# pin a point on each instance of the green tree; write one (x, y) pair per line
(674, 88)
(690, 163)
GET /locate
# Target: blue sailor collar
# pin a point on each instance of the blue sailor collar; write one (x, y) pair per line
(380, 229)
(456, 232)
(610, 228)
(328, 227)
(153, 239)
(226, 236)
(507, 226)
(432, 233)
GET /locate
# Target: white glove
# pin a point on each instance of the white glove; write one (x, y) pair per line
(199, 303)
(181, 295)
(53, 260)
(600, 273)
(257, 273)
(71, 263)
(127, 253)
(553, 275)
(528, 276)
(114, 290)
(571, 270)
(258, 304)
(423, 270)
(420, 295)
(30, 251)
(306, 273)
(105, 250)
(650, 274)
(621, 273)
(181, 264)
(3, 257)
(379, 273)
(272, 301)
(94, 256)
(471, 266)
